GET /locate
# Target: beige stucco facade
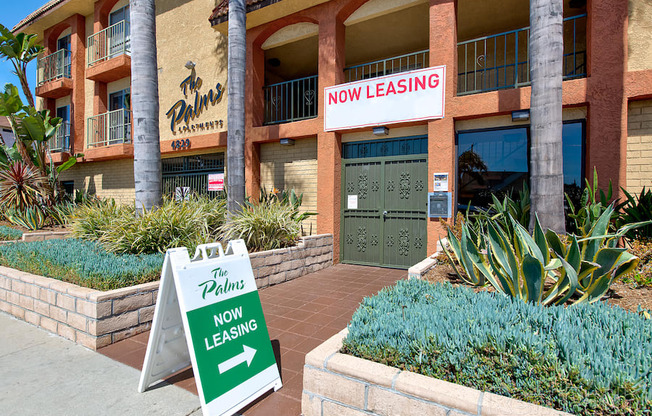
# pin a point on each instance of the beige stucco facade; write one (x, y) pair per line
(639, 146)
(639, 35)
(292, 167)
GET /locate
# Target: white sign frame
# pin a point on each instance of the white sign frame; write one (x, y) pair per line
(170, 347)
(359, 104)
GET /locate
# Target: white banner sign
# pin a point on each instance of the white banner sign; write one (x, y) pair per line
(404, 97)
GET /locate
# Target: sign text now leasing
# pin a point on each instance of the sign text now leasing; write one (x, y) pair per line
(407, 96)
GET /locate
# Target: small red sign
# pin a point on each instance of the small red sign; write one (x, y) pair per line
(215, 181)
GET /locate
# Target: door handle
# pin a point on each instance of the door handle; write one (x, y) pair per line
(384, 215)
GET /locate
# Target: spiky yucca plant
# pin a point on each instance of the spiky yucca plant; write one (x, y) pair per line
(19, 186)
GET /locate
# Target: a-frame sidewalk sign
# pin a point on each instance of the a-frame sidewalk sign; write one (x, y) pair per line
(208, 314)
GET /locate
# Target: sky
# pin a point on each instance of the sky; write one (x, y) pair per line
(13, 11)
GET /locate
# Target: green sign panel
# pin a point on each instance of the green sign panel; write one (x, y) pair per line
(216, 299)
(233, 335)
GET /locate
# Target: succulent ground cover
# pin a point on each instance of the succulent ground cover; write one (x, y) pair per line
(9, 233)
(83, 263)
(584, 359)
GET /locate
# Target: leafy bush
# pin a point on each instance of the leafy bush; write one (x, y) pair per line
(588, 359)
(636, 208)
(543, 268)
(81, 262)
(265, 226)
(173, 224)
(8, 233)
(90, 221)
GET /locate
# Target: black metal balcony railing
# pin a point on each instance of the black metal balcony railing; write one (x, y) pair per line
(54, 66)
(502, 61)
(396, 64)
(291, 100)
(109, 128)
(61, 140)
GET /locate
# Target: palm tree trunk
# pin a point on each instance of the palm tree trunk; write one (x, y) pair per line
(236, 110)
(546, 167)
(145, 106)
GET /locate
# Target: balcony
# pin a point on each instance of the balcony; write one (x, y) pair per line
(53, 75)
(109, 129)
(502, 61)
(394, 65)
(108, 53)
(61, 141)
(291, 100)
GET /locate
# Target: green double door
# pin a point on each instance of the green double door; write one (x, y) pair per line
(384, 204)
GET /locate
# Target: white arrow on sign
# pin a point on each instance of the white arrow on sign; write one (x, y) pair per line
(247, 355)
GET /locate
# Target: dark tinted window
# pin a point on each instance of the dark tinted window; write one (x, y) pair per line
(496, 161)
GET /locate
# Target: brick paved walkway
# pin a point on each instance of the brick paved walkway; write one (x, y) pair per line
(300, 315)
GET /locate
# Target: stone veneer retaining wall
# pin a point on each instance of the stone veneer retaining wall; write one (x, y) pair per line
(337, 384)
(96, 319)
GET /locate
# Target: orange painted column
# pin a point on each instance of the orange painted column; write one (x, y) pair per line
(441, 133)
(606, 136)
(254, 108)
(329, 145)
(78, 58)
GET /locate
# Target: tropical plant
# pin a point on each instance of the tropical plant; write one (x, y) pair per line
(20, 49)
(91, 220)
(544, 268)
(19, 186)
(546, 46)
(145, 106)
(236, 69)
(636, 208)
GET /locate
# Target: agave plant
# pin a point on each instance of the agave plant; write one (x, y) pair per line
(636, 208)
(545, 268)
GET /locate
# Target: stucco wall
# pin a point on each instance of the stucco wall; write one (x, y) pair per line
(639, 35)
(112, 179)
(182, 36)
(639, 145)
(292, 167)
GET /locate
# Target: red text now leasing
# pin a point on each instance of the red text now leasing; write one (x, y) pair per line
(385, 88)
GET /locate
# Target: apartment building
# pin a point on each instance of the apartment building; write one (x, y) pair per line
(370, 181)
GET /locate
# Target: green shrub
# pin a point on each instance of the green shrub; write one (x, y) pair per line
(91, 220)
(588, 359)
(173, 224)
(8, 233)
(81, 262)
(265, 226)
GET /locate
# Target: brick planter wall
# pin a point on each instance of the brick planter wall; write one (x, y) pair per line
(88, 317)
(95, 319)
(337, 384)
(313, 253)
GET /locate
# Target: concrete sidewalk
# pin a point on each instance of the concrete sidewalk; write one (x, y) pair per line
(43, 374)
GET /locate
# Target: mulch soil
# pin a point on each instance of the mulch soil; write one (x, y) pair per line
(620, 294)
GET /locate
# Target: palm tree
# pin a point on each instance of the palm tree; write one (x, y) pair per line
(144, 104)
(236, 110)
(546, 167)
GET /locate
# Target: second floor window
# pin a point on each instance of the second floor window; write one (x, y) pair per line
(120, 35)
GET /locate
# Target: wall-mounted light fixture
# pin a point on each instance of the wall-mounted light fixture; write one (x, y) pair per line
(381, 131)
(286, 142)
(521, 115)
(190, 65)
